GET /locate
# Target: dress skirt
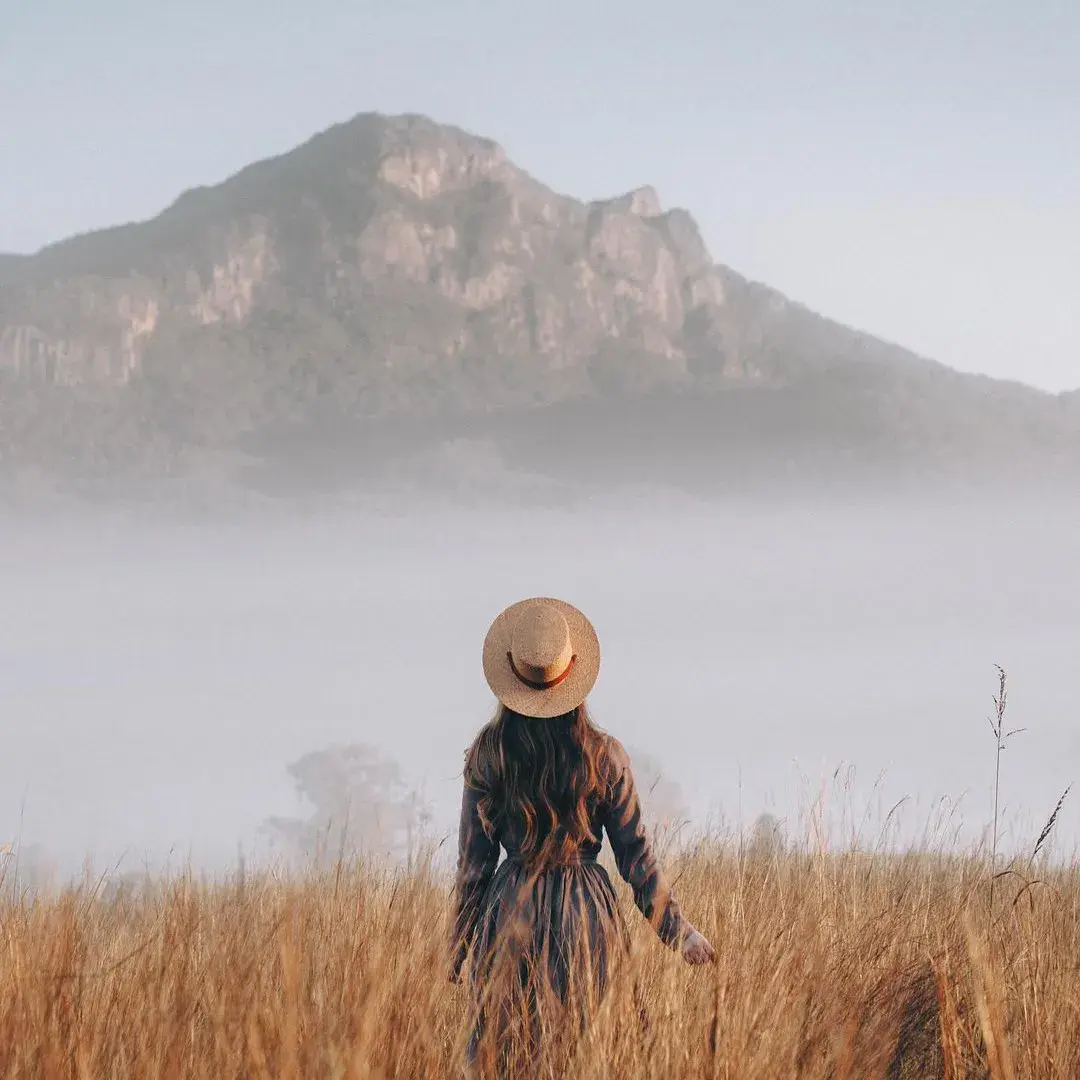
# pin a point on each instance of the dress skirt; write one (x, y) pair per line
(546, 944)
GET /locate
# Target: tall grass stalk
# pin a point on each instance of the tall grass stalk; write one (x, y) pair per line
(1001, 739)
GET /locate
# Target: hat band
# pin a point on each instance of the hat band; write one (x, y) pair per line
(540, 685)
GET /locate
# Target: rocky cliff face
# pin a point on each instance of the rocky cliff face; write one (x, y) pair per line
(389, 267)
(356, 229)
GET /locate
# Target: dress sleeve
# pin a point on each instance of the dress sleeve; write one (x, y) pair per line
(478, 856)
(634, 852)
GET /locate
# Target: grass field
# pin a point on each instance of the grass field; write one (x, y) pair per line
(844, 965)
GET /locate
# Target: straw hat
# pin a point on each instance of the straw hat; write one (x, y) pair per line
(541, 657)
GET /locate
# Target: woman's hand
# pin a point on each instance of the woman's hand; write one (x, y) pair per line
(697, 949)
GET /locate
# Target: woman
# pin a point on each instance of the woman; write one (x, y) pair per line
(544, 783)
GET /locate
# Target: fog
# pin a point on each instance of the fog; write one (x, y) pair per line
(156, 680)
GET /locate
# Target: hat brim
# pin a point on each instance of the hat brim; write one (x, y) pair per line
(527, 700)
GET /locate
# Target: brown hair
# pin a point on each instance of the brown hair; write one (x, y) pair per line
(545, 773)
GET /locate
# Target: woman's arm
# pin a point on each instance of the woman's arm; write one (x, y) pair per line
(478, 855)
(634, 853)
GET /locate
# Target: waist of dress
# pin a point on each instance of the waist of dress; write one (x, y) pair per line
(581, 859)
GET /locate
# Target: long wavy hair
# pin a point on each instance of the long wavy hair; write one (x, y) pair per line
(545, 774)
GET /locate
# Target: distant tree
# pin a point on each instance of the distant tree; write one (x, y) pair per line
(27, 869)
(767, 836)
(361, 806)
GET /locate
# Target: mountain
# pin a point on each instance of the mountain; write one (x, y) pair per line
(10, 267)
(397, 294)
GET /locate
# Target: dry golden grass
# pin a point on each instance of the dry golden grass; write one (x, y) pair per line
(830, 966)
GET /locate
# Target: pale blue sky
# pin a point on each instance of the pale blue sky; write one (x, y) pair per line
(910, 168)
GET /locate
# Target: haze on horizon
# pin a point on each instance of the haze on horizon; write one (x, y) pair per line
(910, 171)
(156, 680)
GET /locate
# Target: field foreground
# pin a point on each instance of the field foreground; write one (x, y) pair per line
(829, 966)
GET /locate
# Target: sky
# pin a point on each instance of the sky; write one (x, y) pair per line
(912, 169)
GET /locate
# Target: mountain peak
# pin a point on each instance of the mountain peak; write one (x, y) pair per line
(388, 267)
(366, 224)
(642, 202)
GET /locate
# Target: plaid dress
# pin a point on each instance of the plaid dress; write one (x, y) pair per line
(544, 940)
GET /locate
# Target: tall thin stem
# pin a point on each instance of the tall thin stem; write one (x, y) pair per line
(997, 791)
(1001, 737)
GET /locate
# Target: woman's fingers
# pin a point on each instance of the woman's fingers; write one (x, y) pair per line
(699, 950)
